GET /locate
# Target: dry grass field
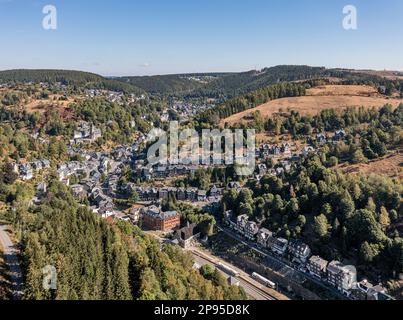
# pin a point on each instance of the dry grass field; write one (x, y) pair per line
(391, 166)
(343, 90)
(42, 106)
(390, 75)
(318, 99)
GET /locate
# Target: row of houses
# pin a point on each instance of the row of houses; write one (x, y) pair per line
(181, 194)
(163, 172)
(92, 167)
(267, 150)
(338, 136)
(26, 171)
(340, 276)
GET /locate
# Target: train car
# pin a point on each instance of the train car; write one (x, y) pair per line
(263, 280)
(228, 270)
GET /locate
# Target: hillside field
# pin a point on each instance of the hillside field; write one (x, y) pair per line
(318, 99)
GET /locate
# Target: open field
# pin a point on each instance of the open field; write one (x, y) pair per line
(391, 166)
(390, 75)
(342, 90)
(42, 106)
(318, 99)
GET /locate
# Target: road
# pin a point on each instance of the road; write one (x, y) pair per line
(12, 261)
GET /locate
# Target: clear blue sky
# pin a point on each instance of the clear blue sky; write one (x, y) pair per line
(136, 37)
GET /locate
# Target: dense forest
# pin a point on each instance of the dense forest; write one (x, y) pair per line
(96, 259)
(65, 77)
(177, 84)
(339, 216)
(234, 85)
(221, 86)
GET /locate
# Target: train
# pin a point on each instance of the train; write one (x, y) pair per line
(228, 270)
(263, 280)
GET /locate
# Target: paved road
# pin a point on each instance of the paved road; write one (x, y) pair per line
(12, 261)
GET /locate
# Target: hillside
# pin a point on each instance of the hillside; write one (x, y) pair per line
(391, 166)
(67, 77)
(170, 84)
(236, 84)
(100, 259)
(228, 85)
(318, 99)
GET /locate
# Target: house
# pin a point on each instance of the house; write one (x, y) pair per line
(201, 195)
(86, 133)
(279, 246)
(242, 220)
(262, 169)
(234, 185)
(276, 150)
(161, 172)
(295, 158)
(339, 135)
(251, 230)
(118, 215)
(299, 251)
(216, 192)
(186, 236)
(42, 188)
(135, 213)
(163, 193)
(317, 266)
(191, 194)
(152, 194)
(26, 172)
(285, 148)
(104, 165)
(154, 218)
(308, 150)
(79, 192)
(106, 209)
(229, 219)
(341, 277)
(321, 138)
(181, 194)
(263, 237)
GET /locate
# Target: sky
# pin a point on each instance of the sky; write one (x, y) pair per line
(147, 37)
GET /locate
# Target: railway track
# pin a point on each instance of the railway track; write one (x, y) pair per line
(245, 281)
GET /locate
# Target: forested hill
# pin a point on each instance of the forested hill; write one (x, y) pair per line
(228, 85)
(67, 77)
(97, 259)
(171, 84)
(237, 84)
